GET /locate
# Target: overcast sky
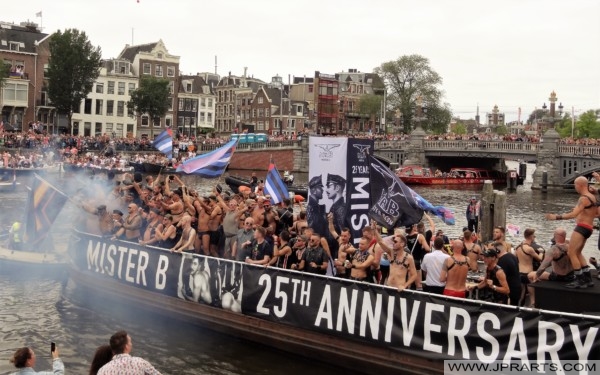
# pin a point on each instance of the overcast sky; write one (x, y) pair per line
(512, 53)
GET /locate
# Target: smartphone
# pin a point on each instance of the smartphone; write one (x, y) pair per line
(219, 189)
(52, 347)
(171, 178)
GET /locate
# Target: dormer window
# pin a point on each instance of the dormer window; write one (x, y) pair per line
(188, 87)
(13, 46)
(159, 55)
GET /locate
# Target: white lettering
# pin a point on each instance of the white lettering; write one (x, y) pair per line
(360, 183)
(371, 315)
(142, 264)
(112, 250)
(543, 346)
(161, 272)
(260, 308)
(363, 220)
(295, 282)
(583, 350)
(495, 347)
(325, 309)
(455, 333)
(280, 311)
(408, 328)
(130, 265)
(122, 250)
(304, 292)
(346, 311)
(429, 327)
(93, 255)
(389, 323)
(517, 335)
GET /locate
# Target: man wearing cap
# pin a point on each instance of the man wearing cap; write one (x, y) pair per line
(314, 210)
(105, 222)
(495, 278)
(473, 214)
(335, 191)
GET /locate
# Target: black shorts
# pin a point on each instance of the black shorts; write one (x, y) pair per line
(524, 278)
(583, 230)
(562, 278)
(418, 264)
(214, 237)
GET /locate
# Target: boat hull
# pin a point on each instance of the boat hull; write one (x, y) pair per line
(362, 326)
(30, 171)
(449, 181)
(18, 261)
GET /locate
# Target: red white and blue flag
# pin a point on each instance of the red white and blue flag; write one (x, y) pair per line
(274, 185)
(211, 164)
(164, 142)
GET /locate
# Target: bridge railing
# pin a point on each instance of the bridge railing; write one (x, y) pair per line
(579, 150)
(481, 145)
(254, 146)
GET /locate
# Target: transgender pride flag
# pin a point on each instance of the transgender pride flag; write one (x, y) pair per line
(211, 164)
(164, 142)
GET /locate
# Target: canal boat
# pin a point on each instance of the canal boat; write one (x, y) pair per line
(418, 175)
(48, 263)
(364, 327)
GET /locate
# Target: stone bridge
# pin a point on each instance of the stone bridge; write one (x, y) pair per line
(563, 163)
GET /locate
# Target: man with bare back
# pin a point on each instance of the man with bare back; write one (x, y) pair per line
(584, 212)
(455, 270)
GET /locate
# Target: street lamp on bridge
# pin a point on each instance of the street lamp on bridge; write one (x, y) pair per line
(551, 116)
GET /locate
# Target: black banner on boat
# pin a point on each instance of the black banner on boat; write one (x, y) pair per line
(426, 325)
(358, 185)
(432, 326)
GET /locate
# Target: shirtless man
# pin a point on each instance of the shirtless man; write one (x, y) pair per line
(526, 255)
(455, 270)
(345, 252)
(215, 220)
(401, 263)
(372, 234)
(175, 206)
(556, 257)
(198, 288)
(131, 226)
(584, 212)
(361, 261)
(202, 242)
(258, 213)
(473, 250)
(186, 242)
(154, 226)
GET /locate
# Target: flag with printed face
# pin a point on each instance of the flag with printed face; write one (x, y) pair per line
(44, 205)
(164, 142)
(211, 164)
(274, 185)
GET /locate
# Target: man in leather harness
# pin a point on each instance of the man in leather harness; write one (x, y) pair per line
(584, 212)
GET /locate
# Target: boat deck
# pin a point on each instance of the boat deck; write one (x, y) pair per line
(551, 295)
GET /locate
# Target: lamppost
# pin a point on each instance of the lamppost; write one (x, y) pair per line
(551, 116)
(420, 112)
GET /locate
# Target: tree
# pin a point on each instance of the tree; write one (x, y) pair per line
(459, 128)
(536, 114)
(437, 119)
(73, 67)
(369, 105)
(151, 98)
(4, 71)
(501, 130)
(587, 125)
(408, 78)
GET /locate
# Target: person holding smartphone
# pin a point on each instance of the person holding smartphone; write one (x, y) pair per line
(24, 360)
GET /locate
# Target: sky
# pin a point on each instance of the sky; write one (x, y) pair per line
(510, 53)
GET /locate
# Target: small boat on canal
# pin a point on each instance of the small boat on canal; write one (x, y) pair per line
(418, 175)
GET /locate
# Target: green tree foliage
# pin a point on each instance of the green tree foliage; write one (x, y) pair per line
(152, 98)
(536, 114)
(587, 125)
(501, 130)
(459, 128)
(73, 67)
(564, 125)
(437, 118)
(408, 78)
(370, 104)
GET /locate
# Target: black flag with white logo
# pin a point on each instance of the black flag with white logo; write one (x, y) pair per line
(392, 204)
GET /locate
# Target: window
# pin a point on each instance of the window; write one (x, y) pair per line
(147, 68)
(120, 129)
(99, 103)
(187, 121)
(261, 125)
(194, 105)
(129, 110)
(210, 103)
(129, 128)
(188, 104)
(120, 108)
(111, 87)
(209, 118)
(170, 107)
(260, 100)
(201, 117)
(254, 113)
(188, 87)
(202, 102)
(261, 112)
(13, 46)
(87, 106)
(156, 122)
(180, 121)
(159, 55)
(169, 121)
(99, 88)
(171, 87)
(267, 112)
(158, 69)
(109, 107)
(170, 71)
(121, 88)
(109, 127)
(131, 87)
(181, 104)
(15, 92)
(145, 122)
(310, 88)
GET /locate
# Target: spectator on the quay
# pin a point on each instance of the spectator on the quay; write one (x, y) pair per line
(122, 362)
(24, 360)
(472, 214)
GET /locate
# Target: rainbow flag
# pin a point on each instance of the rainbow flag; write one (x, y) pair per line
(211, 164)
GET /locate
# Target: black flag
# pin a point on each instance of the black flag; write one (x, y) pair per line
(392, 204)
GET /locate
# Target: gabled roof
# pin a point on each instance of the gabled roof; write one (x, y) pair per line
(197, 84)
(27, 35)
(130, 52)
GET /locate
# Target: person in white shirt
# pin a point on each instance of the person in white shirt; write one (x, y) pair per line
(432, 266)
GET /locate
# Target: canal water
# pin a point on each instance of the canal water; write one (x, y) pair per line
(35, 311)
